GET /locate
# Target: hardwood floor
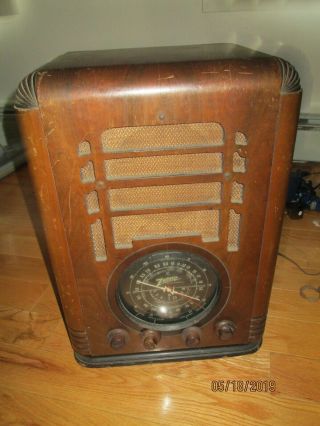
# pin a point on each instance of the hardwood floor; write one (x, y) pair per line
(41, 384)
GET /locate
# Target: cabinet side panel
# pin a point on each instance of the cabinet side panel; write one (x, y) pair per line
(281, 163)
(40, 169)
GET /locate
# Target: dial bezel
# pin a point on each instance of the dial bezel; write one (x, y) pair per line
(156, 258)
(212, 310)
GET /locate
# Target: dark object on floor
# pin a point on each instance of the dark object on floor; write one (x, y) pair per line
(301, 195)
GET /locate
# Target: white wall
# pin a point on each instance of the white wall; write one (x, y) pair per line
(42, 29)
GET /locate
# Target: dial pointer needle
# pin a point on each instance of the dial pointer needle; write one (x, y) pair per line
(167, 289)
(173, 291)
(151, 285)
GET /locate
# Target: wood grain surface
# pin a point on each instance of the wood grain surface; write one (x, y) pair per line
(64, 115)
(41, 384)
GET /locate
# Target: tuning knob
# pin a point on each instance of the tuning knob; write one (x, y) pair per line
(191, 336)
(150, 339)
(117, 338)
(225, 329)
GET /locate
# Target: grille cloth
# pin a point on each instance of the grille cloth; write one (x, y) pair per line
(237, 193)
(241, 139)
(146, 138)
(162, 225)
(99, 247)
(164, 196)
(92, 202)
(87, 173)
(168, 165)
(239, 163)
(234, 231)
(84, 148)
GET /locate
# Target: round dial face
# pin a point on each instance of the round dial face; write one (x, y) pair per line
(168, 289)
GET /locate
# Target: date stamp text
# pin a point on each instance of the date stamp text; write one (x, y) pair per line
(243, 386)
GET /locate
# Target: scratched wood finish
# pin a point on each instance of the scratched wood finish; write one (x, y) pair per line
(42, 385)
(78, 98)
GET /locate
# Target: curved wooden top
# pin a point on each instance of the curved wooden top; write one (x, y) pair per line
(220, 63)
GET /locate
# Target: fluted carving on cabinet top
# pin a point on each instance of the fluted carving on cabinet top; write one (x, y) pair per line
(26, 97)
(290, 77)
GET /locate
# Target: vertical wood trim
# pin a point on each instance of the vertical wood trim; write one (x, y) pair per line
(281, 164)
(40, 168)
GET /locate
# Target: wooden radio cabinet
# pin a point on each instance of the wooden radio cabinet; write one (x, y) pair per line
(161, 177)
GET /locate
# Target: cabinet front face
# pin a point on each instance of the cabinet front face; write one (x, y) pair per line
(162, 176)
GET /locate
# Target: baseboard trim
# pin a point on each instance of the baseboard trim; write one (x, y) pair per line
(167, 356)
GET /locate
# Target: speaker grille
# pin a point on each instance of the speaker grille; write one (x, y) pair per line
(234, 231)
(176, 224)
(163, 137)
(153, 197)
(125, 197)
(157, 166)
(99, 247)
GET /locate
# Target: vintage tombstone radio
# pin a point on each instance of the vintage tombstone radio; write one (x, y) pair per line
(161, 176)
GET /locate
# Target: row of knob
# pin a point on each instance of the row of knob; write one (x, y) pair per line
(191, 336)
